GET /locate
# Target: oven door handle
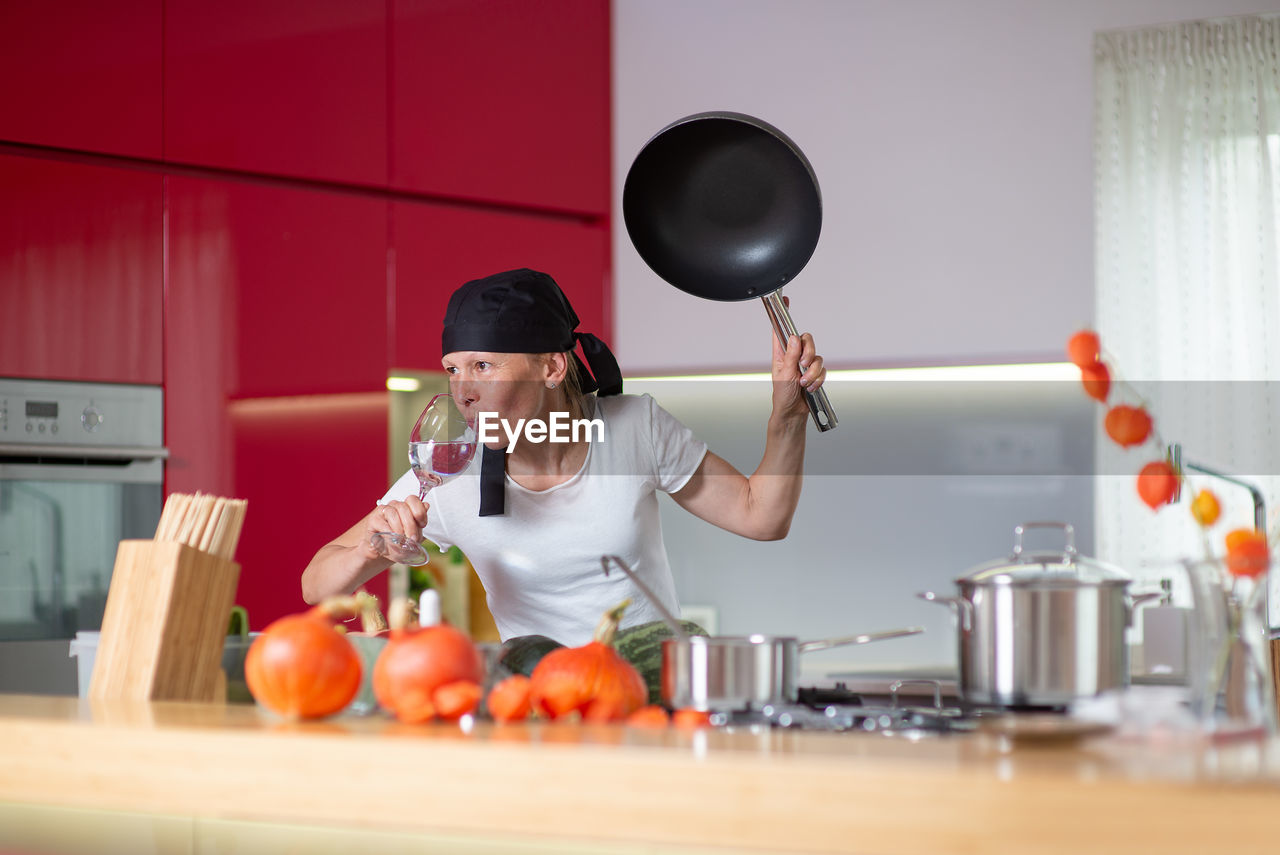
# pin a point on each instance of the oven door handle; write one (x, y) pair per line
(106, 452)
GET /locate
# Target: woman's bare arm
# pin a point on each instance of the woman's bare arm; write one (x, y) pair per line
(347, 562)
(762, 506)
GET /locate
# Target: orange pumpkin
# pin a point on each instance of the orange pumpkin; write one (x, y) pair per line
(419, 660)
(592, 680)
(1157, 484)
(302, 666)
(1128, 425)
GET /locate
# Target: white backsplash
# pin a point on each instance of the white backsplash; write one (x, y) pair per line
(919, 483)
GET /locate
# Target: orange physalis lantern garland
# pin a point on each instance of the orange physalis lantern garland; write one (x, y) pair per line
(1247, 553)
(1127, 425)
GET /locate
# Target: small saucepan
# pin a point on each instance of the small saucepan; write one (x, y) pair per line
(734, 672)
(721, 672)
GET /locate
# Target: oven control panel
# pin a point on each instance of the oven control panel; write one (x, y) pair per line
(48, 412)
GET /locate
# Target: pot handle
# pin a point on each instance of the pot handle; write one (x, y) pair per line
(1068, 530)
(963, 608)
(808, 646)
(1137, 600)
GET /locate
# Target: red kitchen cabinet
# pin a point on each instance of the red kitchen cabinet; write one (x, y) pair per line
(302, 275)
(310, 467)
(82, 74)
(290, 89)
(276, 367)
(439, 247)
(502, 101)
(201, 341)
(81, 272)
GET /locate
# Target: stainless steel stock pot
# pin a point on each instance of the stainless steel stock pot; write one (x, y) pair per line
(1041, 629)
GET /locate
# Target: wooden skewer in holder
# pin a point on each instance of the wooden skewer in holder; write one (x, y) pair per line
(165, 624)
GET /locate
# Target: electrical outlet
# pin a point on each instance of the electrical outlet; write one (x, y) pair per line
(1007, 449)
(704, 616)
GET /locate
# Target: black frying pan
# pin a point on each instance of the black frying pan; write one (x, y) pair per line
(724, 206)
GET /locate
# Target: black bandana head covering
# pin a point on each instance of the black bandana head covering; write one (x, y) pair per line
(521, 311)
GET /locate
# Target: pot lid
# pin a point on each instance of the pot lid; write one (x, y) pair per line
(1066, 569)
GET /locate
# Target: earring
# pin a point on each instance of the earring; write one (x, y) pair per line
(551, 385)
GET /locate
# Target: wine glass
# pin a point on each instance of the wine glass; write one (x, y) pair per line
(441, 445)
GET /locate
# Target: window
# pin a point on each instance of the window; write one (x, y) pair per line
(1187, 158)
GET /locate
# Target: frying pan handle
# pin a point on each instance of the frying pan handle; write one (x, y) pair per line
(809, 646)
(824, 418)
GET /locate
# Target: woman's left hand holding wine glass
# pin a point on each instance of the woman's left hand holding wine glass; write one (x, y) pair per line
(394, 531)
(441, 445)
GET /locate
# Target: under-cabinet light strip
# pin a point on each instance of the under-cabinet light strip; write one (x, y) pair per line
(935, 373)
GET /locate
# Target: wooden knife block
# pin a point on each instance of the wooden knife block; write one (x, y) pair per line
(165, 624)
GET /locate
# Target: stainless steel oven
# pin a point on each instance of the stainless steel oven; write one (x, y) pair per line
(81, 468)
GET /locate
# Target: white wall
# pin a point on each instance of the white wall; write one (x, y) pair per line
(952, 140)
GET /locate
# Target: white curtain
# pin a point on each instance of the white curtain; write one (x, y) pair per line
(1187, 157)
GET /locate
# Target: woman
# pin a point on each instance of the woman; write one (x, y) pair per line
(535, 522)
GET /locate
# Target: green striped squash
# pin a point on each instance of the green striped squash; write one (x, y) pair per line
(641, 645)
(521, 654)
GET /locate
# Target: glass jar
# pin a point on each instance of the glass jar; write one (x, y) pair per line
(1229, 677)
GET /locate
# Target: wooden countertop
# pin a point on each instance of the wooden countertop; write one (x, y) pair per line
(542, 786)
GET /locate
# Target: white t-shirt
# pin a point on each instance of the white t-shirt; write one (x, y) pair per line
(540, 561)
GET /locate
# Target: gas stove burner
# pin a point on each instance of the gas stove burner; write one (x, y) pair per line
(747, 718)
(870, 719)
(823, 696)
(1028, 708)
(839, 710)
